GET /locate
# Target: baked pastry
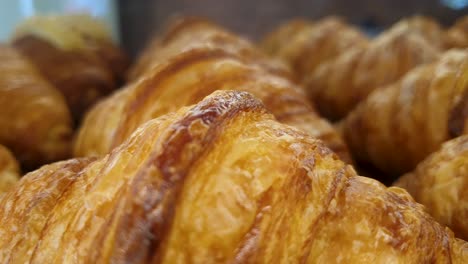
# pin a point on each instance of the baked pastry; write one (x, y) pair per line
(305, 46)
(427, 27)
(75, 53)
(9, 170)
(185, 33)
(34, 120)
(276, 40)
(193, 60)
(457, 35)
(337, 86)
(440, 183)
(399, 125)
(217, 182)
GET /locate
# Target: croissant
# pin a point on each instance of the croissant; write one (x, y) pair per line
(9, 170)
(457, 35)
(306, 45)
(399, 125)
(34, 120)
(75, 53)
(338, 85)
(184, 33)
(196, 60)
(218, 182)
(427, 27)
(440, 183)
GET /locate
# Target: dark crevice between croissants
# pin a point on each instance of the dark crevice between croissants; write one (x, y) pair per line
(458, 116)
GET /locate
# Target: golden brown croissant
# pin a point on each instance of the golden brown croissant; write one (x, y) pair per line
(306, 45)
(218, 182)
(35, 123)
(196, 60)
(337, 86)
(427, 27)
(75, 53)
(440, 183)
(185, 33)
(9, 170)
(276, 40)
(399, 125)
(457, 35)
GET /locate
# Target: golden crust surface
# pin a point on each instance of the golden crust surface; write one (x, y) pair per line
(34, 120)
(217, 182)
(197, 59)
(399, 125)
(440, 183)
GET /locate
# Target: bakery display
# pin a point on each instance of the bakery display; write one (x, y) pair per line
(211, 149)
(75, 53)
(193, 59)
(35, 123)
(220, 181)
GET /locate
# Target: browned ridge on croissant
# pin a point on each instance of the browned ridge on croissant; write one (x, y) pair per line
(440, 183)
(399, 125)
(218, 182)
(196, 62)
(35, 123)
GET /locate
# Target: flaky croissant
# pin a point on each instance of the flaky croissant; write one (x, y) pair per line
(399, 125)
(306, 45)
(337, 86)
(195, 60)
(440, 183)
(457, 35)
(75, 53)
(427, 27)
(35, 123)
(9, 170)
(185, 33)
(218, 182)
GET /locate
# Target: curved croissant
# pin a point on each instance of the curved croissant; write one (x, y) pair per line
(185, 33)
(457, 35)
(218, 182)
(35, 123)
(75, 53)
(427, 27)
(337, 86)
(399, 125)
(196, 60)
(440, 183)
(9, 170)
(305, 45)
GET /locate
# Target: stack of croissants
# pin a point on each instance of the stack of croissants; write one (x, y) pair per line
(212, 149)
